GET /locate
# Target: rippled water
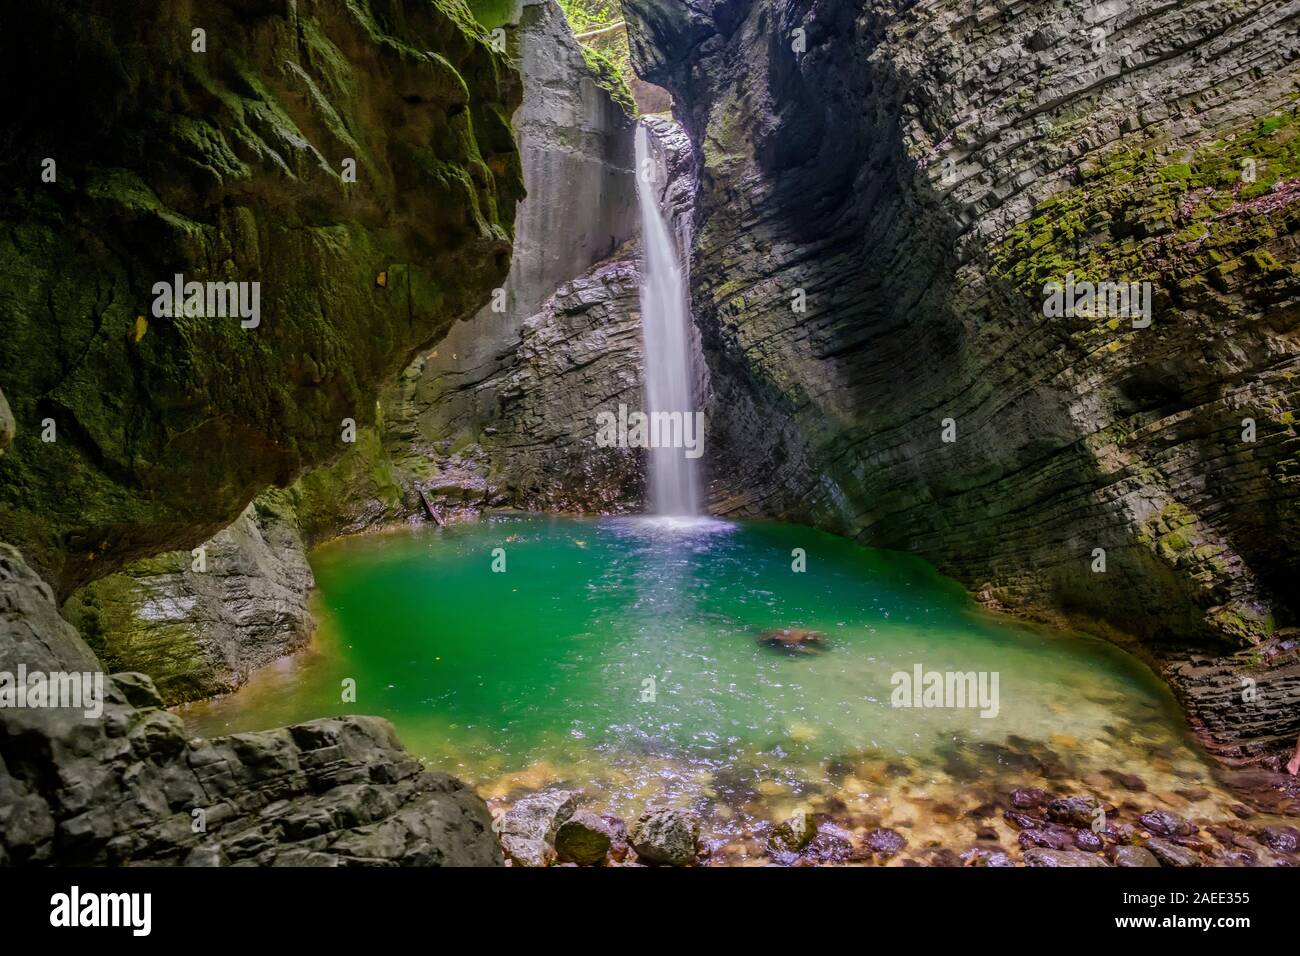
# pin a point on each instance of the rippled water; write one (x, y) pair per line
(622, 657)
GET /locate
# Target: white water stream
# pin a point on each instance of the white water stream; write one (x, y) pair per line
(665, 330)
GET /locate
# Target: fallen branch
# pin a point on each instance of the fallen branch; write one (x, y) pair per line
(428, 508)
(603, 30)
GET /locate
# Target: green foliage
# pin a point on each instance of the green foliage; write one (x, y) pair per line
(610, 78)
(585, 15)
(607, 54)
(491, 13)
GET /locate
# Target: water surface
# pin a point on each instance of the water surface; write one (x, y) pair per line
(622, 657)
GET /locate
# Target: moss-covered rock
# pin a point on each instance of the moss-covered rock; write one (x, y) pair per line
(199, 622)
(226, 156)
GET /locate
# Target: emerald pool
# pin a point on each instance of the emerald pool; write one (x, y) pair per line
(621, 656)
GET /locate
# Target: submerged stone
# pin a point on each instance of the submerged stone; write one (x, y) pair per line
(793, 835)
(1041, 856)
(1171, 854)
(1134, 856)
(792, 639)
(885, 842)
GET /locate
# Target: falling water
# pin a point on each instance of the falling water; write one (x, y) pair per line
(665, 331)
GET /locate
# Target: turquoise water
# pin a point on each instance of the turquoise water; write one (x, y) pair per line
(623, 655)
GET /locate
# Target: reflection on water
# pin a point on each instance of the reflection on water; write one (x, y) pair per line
(622, 657)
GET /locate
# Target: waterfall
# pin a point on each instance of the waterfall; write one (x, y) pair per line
(665, 332)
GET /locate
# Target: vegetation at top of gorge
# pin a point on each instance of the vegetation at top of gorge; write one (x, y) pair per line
(598, 24)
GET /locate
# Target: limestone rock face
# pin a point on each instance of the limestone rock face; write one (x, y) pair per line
(199, 633)
(917, 174)
(127, 786)
(578, 356)
(576, 146)
(225, 155)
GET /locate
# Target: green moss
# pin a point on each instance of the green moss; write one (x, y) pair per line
(227, 166)
(329, 498)
(609, 79)
(492, 13)
(1139, 216)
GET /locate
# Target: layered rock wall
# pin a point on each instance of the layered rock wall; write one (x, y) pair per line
(885, 190)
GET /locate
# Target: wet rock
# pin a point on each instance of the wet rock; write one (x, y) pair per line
(1121, 833)
(1078, 811)
(583, 839)
(884, 841)
(1280, 839)
(1023, 821)
(619, 847)
(1049, 835)
(1238, 858)
(1041, 856)
(1164, 823)
(1088, 840)
(1028, 798)
(986, 833)
(799, 639)
(831, 845)
(528, 829)
(1133, 856)
(1171, 854)
(985, 856)
(941, 856)
(791, 836)
(666, 835)
(1129, 781)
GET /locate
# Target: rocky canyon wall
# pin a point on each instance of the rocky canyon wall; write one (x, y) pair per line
(148, 139)
(500, 413)
(885, 190)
